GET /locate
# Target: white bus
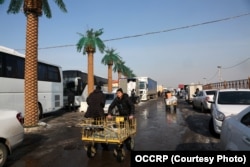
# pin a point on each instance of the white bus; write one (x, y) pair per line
(50, 83)
(76, 82)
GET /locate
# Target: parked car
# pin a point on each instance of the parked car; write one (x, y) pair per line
(235, 132)
(227, 102)
(109, 98)
(11, 132)
(201, 100)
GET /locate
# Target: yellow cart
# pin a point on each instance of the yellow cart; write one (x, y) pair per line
(117, 130)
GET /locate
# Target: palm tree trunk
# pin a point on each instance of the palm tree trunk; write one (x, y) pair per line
(90, 72)
(119, 75)
(30, 85)
(109, 78)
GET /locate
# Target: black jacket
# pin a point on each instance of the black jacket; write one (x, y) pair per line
(96, 102)
(125, 105)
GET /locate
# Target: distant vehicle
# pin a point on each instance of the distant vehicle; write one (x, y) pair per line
(201, 100)
(129, 85)
(109, 99)
(235, 132)
(50, 83)
(147, 88)
(190, 92)
(11, 132)
(76, 81)
(227, 102)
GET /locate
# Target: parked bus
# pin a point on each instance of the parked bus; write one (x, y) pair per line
(76, 82)
(50, 83)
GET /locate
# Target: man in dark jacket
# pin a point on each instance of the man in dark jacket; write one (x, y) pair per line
(96, 102)
(123, 103)
(71, 100)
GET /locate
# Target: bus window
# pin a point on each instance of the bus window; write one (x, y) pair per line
(53, 74)
(11, 68)
(20, 67)
(42, 72)
(1, 65)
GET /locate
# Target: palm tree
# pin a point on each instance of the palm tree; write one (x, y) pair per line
(88, 44)
(119, 67)
(32, 10)
(128, 72)
(109, 59)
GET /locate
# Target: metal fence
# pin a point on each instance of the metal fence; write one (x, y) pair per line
(238, 84)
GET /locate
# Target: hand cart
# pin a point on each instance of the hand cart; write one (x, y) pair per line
(117, 130)
(170, 102)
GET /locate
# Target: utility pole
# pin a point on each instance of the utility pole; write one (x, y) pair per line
(219, 73)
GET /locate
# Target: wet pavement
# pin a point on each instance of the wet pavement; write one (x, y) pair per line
(57, 142)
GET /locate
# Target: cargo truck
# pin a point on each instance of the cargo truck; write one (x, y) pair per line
(131, 87)
(147, 88)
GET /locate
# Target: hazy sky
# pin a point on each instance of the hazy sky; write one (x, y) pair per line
(175, 55)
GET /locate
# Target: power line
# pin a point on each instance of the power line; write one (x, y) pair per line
(213, 76)
(152, 33)
(216, 73)
(237, 64)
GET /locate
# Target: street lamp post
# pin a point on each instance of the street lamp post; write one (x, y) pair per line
(220, 78)
(205, 81)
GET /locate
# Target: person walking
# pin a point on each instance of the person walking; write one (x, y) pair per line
(71, 100)
(96, 102)
(123, 103)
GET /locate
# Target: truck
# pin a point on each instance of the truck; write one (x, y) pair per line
(147, 88)
(131, 87)
(190, 91)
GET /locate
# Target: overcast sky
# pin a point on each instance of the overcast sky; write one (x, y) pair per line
(178, 44)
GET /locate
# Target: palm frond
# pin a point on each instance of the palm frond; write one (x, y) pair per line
(99, 32)
(15, 6)
(46, 9)
(81, 44)
(1, 2)
(100, 45)
(61, 5)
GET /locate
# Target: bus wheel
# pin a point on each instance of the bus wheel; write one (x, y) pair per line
(40, 111)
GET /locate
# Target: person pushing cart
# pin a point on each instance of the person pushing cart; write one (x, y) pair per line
(112, 129)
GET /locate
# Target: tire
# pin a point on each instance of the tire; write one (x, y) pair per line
(202, 108)
(130, 143)
(119, 154)
(91, 151)
(193, 106)
(211, 129)
(3, 154)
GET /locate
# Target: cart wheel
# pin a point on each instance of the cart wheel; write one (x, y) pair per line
(91, 151)
(120, 154)
(130, 143)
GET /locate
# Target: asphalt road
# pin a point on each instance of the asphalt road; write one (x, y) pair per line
(58, 141)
